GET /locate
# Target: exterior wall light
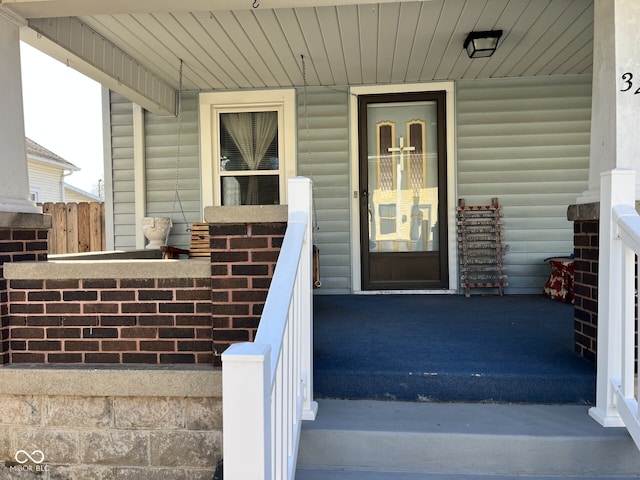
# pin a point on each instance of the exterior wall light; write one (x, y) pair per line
(482, 44)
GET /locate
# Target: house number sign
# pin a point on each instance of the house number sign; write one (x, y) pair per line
(627, 83)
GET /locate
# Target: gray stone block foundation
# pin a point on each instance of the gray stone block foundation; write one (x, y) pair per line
(167, 427)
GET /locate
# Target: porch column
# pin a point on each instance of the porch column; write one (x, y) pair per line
(23, 229)
(14, 180)
(615, 122)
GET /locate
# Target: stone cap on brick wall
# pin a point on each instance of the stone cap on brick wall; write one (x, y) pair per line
(583, 211)
(151, 381)
(74, 269)
(587, 211)
(246, 214)
(24, 220)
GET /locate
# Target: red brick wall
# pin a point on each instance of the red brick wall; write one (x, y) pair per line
(586, 287)
(243, 258)
(146, 321)
(586, 242)
(16, 244)
(152, 321)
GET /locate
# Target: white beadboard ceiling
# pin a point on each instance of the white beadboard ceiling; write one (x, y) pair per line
(228, 44)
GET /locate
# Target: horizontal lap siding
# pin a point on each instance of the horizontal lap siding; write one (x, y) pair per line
(47, 180)
(526, 141)
(163, 167)
(165, 163)
(123, 183)
(323, 155)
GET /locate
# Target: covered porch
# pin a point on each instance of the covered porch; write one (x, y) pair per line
(614, 65)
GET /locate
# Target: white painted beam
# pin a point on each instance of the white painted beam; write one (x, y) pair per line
(78, 46)
(74, 8)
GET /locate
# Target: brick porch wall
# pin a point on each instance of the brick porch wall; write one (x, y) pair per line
(243, 259)
(23, 237)
(70, 313)
(150, 321)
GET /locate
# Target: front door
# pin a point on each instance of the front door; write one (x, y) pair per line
(403, 210)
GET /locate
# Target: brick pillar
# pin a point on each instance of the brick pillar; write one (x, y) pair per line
(586, 218)
(23, 237)
(243, 259)
(585, 238)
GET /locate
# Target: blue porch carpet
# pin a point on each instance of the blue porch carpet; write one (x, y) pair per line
(448, 348)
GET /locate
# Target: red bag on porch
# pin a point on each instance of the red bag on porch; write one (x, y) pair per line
(560, 283)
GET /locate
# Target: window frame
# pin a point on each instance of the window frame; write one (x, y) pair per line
(34, 194)
(212, 104)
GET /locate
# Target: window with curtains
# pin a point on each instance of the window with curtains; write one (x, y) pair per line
(248, 143)
(249, 161)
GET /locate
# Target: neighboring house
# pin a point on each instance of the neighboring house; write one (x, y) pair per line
(377, 102)
(47, 174)
(75, 194)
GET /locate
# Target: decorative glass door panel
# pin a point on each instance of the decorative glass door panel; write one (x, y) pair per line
(403, 191)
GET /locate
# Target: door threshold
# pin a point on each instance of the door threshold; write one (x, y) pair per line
(406, 292)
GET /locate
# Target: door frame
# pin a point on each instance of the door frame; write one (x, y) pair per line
(355, 92)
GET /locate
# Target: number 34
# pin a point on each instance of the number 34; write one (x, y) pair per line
(627, 83)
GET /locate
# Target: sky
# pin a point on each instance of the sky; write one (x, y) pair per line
(63, 113)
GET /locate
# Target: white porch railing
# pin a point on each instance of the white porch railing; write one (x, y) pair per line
(267, 385)
(616, 395)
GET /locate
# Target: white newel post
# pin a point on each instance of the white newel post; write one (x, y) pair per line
(267, 386)
(14, 181)
(246, 387)
(617, 188)
(300, 200)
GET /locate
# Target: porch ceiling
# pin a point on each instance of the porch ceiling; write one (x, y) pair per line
(225, 45)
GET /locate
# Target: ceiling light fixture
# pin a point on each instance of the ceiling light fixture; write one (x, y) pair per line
(482, 44)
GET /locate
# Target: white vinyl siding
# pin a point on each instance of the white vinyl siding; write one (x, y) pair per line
(163, 168)
(167, 164)
(323, 155)
(124, 227)
(46, 180)
(526, 141)
(77, 197)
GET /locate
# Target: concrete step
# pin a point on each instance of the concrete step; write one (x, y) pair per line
(484, 441)
(321, 474)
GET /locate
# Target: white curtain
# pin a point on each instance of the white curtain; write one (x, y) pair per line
(252, 133)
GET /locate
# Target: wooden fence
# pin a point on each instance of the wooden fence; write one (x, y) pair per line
(76, 227)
